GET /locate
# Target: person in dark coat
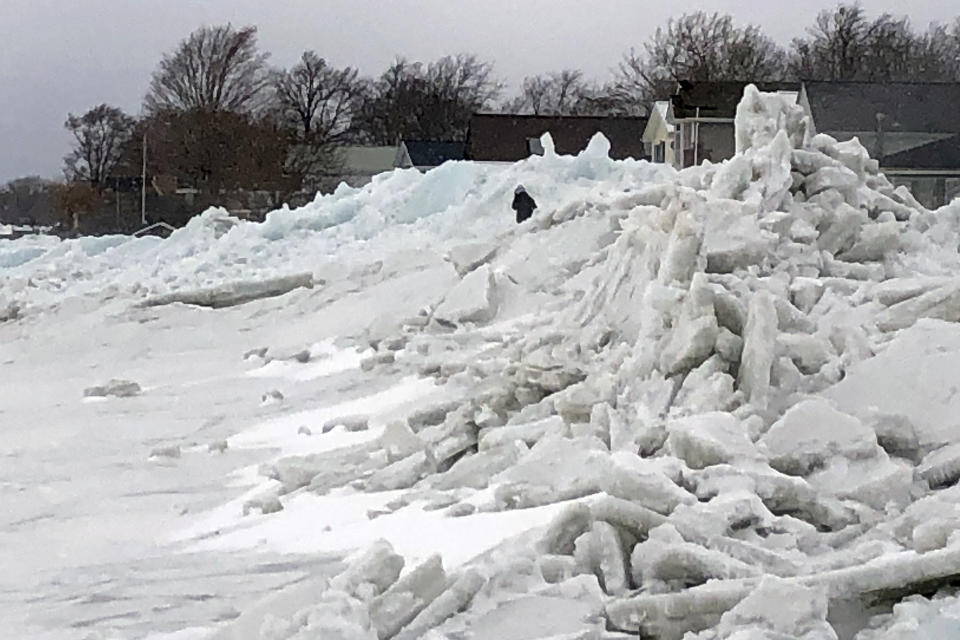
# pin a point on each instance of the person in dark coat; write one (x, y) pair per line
(523, 204)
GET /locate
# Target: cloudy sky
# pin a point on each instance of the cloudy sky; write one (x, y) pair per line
(60, 56)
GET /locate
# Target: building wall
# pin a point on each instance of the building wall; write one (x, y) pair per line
(714, 141)
(659, 134)
(930, 191)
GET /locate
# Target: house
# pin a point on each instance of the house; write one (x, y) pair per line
(498, 137)
(425, 154)
(659, 132)
(697, 122)
(357, 164)
(912, 128)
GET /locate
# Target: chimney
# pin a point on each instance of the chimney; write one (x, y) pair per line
(878, 151)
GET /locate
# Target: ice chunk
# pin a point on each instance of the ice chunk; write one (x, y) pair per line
(234, 293)
(942, 303)
(529, 433)
(759, 348)
(812, 431)
(761, 117)
(875, 242)
(447, 604)
(665, 558)
(476, 470)
(600, 551)
(378, 567)
(895, 433)
(831, 177)
(765, 613)
(915, 376)
(708, 439)
(566, 527)
(693, 340)
(116, 387)
(399, 605)
(473, 299)
(808, 352)
(399, 441)
(403, 473)
(467, 257)
(626, 515)
(841, 229)
(941, 468)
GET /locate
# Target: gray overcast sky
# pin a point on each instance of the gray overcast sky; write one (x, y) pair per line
(60, 56)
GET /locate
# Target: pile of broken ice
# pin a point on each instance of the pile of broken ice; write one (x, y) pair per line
(679, 390)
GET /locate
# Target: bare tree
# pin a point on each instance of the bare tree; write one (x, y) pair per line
(697, 47)
(217, 150)
(844, 44)
(25, 200)
(561, 93)
(429, 102)
(99, 137)
(214, 69)
(319, 104)
(318, 99)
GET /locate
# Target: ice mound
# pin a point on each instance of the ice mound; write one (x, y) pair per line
(693, 374)
(460, 200)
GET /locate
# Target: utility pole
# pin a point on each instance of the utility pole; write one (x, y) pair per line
(116, 196)
(143, 184)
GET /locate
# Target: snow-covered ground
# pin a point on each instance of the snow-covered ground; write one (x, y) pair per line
(718, 402)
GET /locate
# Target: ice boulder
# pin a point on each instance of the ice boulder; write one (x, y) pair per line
(777, 608)
(115, 388)
(759, 347)
(473, 299)
(467, 257)
(812, 431)
(708, 439)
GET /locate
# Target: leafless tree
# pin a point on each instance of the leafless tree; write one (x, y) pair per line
(214, 69)
(697, 46)
(217, 151)
(24, 199)
(844, 44)
(99, 137)
(319, 104)
(318, 99)
(561, 93)
(429, 102)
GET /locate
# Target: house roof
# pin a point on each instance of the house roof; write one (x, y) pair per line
(908, 106)
(362, 160)
(500, 137)
(718, 99)
(425, 153)
(939, 155)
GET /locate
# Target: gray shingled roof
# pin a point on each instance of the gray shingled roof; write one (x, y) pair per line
(908, 106)
(942, 154)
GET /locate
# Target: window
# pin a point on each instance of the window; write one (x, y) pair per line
(660, 152)
(534, 146)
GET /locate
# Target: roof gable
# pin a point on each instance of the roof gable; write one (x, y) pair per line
(906, 106)
(362, 159)
(496, 137)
